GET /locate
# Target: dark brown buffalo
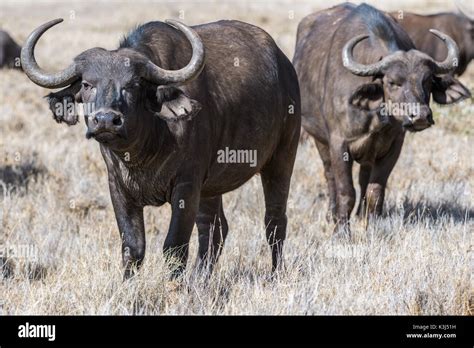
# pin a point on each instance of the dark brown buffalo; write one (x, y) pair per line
(457, 26)
(166, 104)
(355, 66)
(9, 51)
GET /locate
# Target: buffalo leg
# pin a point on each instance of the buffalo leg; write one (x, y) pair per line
(132, 230)
(275, 189)
(328, 173)
(184, 207)
(364, 176)
(341, 162)
(276, 177)
(212, 228)
(379, 176)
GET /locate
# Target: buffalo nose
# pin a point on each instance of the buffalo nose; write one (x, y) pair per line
(423, 115)
(108, 120)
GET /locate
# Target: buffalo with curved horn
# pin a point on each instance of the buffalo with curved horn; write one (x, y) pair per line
(363, 85)
(179, 121)
(448, 65)
(152, 72)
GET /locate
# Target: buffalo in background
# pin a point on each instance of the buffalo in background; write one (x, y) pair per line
(363, 85)
(460, 27)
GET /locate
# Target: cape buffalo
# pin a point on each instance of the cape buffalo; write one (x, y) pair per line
(363, 84)
(175, 108)
(9, 51)
(458, 26)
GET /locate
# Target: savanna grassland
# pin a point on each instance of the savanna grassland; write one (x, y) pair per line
(59, 239)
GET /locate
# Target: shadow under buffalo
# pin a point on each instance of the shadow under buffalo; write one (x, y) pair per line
(423, 210)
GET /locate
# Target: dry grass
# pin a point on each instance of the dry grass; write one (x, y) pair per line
(415, 260)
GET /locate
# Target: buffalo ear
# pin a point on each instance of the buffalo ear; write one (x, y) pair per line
(62, 104)
(174, 105)
(448, 90)
(367, 97)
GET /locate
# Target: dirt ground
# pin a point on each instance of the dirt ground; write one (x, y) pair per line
(55, 208)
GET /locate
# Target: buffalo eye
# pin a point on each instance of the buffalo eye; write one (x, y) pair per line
(87, 90)
(86, 85)
(393, 84)
(127, 92)
(130, 87)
